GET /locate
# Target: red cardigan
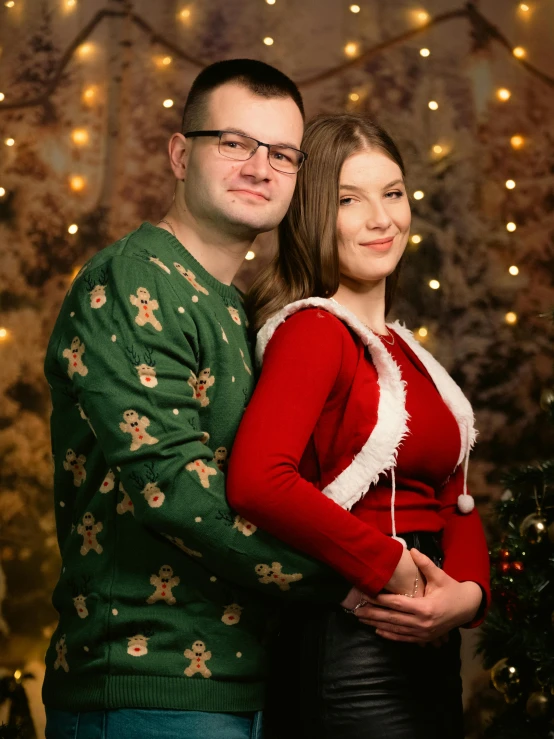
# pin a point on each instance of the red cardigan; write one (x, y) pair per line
(338, 414)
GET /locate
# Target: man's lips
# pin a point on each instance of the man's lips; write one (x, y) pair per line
(253, 193)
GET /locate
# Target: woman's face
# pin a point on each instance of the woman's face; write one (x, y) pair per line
(374, 216)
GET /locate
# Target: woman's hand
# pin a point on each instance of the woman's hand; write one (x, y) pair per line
(404, 577)
(445, 605)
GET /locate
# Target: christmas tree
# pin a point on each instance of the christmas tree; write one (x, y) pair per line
(517, 641)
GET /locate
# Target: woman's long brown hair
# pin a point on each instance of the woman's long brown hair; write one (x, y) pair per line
(307, 262)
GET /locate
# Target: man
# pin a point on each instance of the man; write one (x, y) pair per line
(166, 595)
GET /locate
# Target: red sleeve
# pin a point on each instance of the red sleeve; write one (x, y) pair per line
(466, 555)
(302, 368)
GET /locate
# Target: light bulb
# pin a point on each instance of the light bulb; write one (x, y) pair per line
(2, 192)
(415, 239)
(73, 228)
(9, 142)
(166, 61)
(354, 97)
(419, 195)
(524, 7)
(184, 14)
(425, 52)
(422, 16)
(77, 183)
(517, 141)
(511, 317)
(433, 105)
(80, 136)
(89, 94)
(268, 41)
(437, 148)
(351, 49)
(168, 103)
(250, 255)
(85, 50)
(510, 184)
(511, 226)
(422, 332)
(503, 94)
(434, 284)
(270, 2)
(513, 270)
(9, 3)
(3, 333)
(519, 52)
(2, 96)
(355, 8)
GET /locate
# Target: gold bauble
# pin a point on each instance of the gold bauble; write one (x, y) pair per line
(538, 705)
(504, 676)
(547, 398)
(533, 528)
(550, 531)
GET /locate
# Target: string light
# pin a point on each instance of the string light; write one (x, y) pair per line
(425, 52)
(73, 228)
(510, 184)
(268, 41)
(351, 49)
(422, 332)
(503, 94)
(422, 16)
(354, 97)
(415, 239)
(511, 317)
(2, 192)
(3, 334)
(2, 96)
(433, 105)
(184, 14)
(270, 2)
(513, 270)
(419, 195)
(70, 3)
(355, 8)
(89, 94)
(437, 149)
(166, 61)
(9, 142)
(434, 284)
(85, 50)
(79, 136)
(511, 226)
(519, 52)
(517, 141)
(524, 7)
(9, 3)
(168, 103)
(250, 255)
(77, 183)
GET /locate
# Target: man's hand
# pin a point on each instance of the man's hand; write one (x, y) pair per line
(445, 605)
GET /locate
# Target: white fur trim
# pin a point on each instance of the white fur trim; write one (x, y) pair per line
(466, 503)
(380, 450)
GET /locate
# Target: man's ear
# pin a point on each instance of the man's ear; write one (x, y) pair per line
(178, 155)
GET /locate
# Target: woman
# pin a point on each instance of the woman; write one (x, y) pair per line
(354, 449)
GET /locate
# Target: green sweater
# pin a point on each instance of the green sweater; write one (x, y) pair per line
(166, 596)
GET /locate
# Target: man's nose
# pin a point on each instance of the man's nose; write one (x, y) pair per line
(258, 165)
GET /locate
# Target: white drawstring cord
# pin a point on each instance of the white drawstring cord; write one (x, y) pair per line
(392, 510)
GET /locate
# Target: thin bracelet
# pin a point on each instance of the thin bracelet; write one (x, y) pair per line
(416, 586)
(352, 611)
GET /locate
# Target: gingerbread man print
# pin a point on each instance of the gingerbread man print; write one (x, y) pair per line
(146, 307)
(220, 456)
(198, 658)
(233, 312)
(204, 382)
(273, 574)
(76, 465)
(231, 614)
(164, 582)
(89, 530)
(203, 471)
(244, 526)
(155, 260)
(61, 651)
(126, 504)
(190, 277)
(74, 355)
(137, 428)
(108, 483)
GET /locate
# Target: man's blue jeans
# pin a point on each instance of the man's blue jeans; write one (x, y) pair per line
(152, 724)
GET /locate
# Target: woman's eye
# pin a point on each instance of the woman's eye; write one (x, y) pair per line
(395, 194)
(346, 201)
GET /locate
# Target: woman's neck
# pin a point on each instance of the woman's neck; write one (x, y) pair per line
(365, 300)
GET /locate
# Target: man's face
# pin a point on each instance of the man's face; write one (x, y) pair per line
(242, 198)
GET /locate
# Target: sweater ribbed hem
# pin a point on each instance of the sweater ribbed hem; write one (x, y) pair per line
(104, 693)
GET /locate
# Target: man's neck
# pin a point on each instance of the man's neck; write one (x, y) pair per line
(221, 255)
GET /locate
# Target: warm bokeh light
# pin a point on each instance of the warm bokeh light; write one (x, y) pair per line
(166, 61)
(517, 141)
(519, 52)
(85, 50)
(354, 97)
(270, 2)
(9, 3)
(511, 317)
(422, 332)
(433, 105)
(168, 103)
(425, 52)
(75, 272)
(415, 239)
(73, 228)
(3, 333)
(513, 270)
(2, 96)
(437, 149)
(524, 7)
(510, 184)
(419, 195)
(77, 183)
(434, 284)
(9, 142)
(79, 136)
(355, 8)
(503, 94)
(511, 226)
(250, 255)
(70, 3)
(351, 49)
(422, 16)
(89, 94)
(2, 192)
(268, 41)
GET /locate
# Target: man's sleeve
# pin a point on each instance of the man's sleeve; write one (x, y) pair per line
(149, 430)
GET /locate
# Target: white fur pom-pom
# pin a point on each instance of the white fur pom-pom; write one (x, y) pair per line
(401, 540)
(465, 503)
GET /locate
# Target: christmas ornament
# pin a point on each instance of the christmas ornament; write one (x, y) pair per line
(547, 398)
(504, 567)
(517, 566)
(533, 528)
(538, 705)
(504, 676)
(504, 554)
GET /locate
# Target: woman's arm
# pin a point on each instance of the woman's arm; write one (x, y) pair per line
(303, 369)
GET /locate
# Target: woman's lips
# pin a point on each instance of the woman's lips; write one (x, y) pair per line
(379, 244)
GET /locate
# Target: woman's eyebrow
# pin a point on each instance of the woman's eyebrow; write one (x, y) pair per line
(361, 189)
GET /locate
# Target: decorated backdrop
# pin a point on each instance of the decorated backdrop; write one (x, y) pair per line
(90, 91)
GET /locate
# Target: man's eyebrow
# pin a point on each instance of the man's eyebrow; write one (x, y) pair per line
(361, 189)
(243, 133)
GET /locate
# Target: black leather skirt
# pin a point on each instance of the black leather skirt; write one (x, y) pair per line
(334, 678)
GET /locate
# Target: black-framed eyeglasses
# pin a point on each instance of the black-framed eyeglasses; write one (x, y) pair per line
(237, 146)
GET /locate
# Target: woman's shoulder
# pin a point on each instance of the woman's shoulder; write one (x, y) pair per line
(312, 326)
